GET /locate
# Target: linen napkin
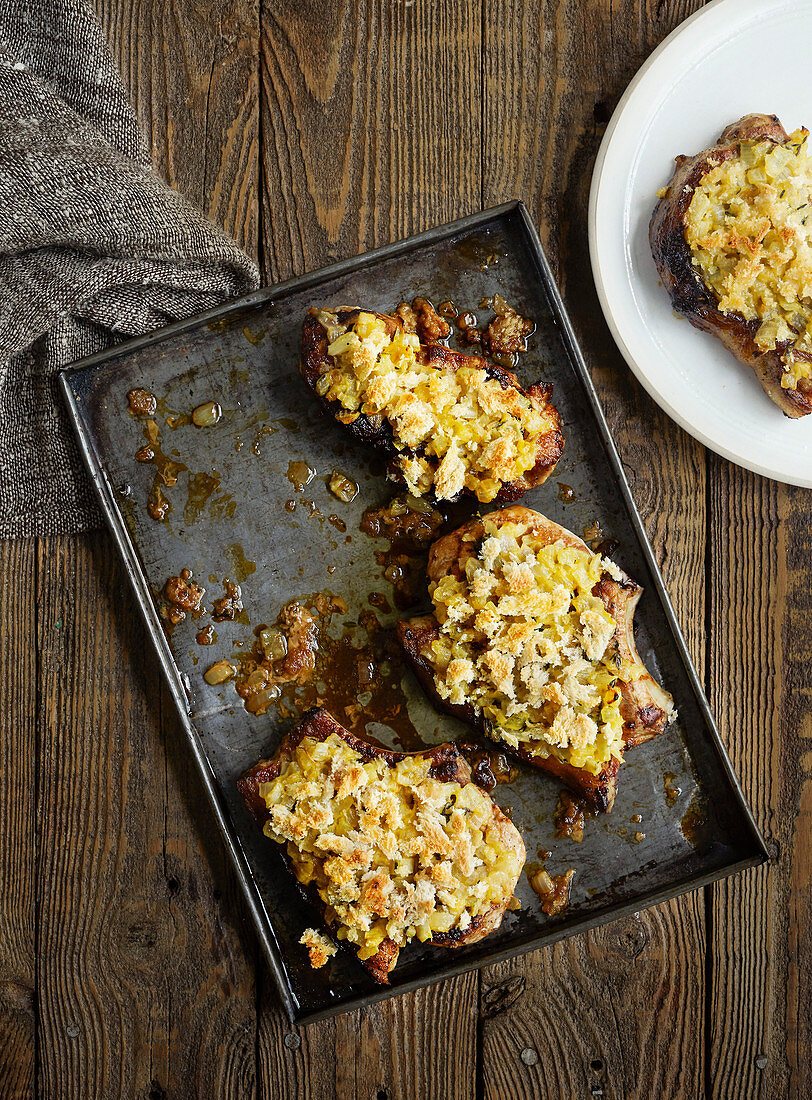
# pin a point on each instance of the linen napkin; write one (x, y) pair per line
(94, 247)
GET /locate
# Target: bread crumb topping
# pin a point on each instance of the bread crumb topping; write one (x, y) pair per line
(457, 429)
(392, 851)
(749, 229)
(319, 948)
(525, 641)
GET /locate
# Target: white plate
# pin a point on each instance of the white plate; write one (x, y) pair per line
(731, 58)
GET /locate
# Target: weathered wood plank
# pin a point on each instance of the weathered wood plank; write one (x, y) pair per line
(143, 984)
(416, 1046)
(374, 126)
(793, 597)
(551, 83)
(18, 764)
(212, 1037)
(191, 70)
(586, 1017)
(370, 123)
(105, 931)
(760, 687)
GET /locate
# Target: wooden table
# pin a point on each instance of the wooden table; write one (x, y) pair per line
(314, 131)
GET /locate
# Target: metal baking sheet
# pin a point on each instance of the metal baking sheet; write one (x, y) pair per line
(679, 820)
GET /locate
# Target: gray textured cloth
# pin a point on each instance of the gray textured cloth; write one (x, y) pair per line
(93, 247)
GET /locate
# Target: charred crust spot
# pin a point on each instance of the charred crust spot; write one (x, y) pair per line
(651, 715)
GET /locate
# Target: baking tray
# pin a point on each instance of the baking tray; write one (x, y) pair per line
(680, 819)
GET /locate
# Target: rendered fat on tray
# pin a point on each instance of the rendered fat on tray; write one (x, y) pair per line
(531, 641)
(220, 360)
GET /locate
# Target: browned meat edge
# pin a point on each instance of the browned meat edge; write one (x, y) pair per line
(598, 790)
(689, 294)
(376, 432)
(447, 765)
(644, 705)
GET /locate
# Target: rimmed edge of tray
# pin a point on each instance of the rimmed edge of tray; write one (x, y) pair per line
(751, 835)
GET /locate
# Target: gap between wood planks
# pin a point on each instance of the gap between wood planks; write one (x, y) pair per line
(543, 177)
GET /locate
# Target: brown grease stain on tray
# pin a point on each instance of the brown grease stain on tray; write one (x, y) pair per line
(158, 505)
(298, 663)
(695, 822)
(141, 403)
(252, 337)
(200, 488)
(262, 431)
(300, 474)
(180, 595)
(223, 507)
(166, 471)
(229, 607)
(672, 792)
(570, 817)
(243, 567)
(410, 525)
(489, 765)
(553, 890)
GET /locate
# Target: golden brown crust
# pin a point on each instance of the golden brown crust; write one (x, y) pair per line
(599, 790)
(645, 706)
(689, 294)
(376, 432)
(448, 765)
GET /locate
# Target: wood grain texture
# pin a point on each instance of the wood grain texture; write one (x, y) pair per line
(550, 87)
(370, 121)
(102, 950)
(586, 1016)
(420, 1045)
(144, 989)
(370, 116)
(791, 600)
(313, 131)
(762, 920)
(191, 69)
(146, 971)
(18, 854)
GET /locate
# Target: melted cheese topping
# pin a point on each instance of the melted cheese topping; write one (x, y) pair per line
(523, 640)
(456, 428)
(392, 851)
(750, 232)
